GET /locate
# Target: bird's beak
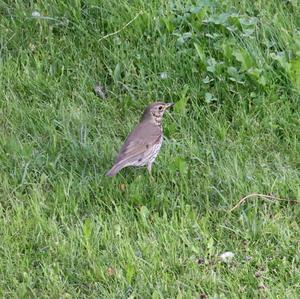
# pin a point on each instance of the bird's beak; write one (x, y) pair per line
(168, 105)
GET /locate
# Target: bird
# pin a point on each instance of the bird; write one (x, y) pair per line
(142, 145)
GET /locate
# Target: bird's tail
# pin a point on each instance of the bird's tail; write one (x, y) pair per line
(115, 169)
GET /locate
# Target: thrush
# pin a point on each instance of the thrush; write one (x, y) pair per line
(143, 144)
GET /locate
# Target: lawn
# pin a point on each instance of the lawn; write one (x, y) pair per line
(233, 70)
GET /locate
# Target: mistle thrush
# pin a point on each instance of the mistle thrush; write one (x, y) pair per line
(143, 144)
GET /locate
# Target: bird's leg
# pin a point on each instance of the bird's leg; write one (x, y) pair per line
(149, 167)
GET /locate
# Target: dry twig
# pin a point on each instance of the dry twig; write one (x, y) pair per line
(118, 31)
(263, 197)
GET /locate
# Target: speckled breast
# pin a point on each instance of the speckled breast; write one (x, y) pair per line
(155, 150)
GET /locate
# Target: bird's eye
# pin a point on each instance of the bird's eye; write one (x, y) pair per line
(160, 108)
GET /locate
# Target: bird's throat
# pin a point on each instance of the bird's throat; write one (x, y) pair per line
(157, 119)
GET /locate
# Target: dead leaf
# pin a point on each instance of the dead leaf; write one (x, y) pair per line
(262, 286)
(111, 271)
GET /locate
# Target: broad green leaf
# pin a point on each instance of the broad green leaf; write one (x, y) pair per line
(248, 32)
(200, 12)
(254, 72)
(209, 98)
(244, 58)
(207, 80)
(211, 65)
(227, 48)
(257, 75)
(183, 38)
(281, 58)
(248, 21)
(117, 72)
(220, 19)
(232, 71)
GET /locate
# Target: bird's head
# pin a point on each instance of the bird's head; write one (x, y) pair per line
(156, 111)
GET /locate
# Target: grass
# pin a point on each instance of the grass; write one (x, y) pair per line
(67, 231)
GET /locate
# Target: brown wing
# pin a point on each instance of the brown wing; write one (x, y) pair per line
(138, 142)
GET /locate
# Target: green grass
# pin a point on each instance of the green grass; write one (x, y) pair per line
(67, 231)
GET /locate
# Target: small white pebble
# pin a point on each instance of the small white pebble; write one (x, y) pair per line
(35, 14)
(31, 46)
(163, 75)
(226, 256)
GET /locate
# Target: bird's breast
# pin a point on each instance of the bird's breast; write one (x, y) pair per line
(154, 150)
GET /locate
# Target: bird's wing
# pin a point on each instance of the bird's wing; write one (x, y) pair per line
(138, 143)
